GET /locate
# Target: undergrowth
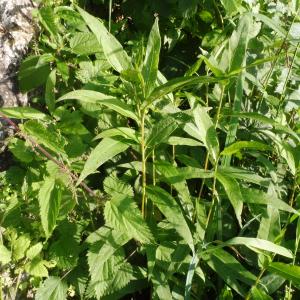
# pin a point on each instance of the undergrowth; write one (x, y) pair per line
(126, 184)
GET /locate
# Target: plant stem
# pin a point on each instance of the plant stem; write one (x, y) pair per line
(256, 283)
(144, 175)
(43, 151)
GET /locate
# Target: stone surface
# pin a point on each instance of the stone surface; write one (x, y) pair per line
(16, 32)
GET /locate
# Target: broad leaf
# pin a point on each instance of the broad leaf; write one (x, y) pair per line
(52, 288)
(5, 255)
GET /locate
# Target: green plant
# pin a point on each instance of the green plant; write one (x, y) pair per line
(192, 191)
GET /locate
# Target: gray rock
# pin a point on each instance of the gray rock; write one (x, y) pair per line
(16, 32)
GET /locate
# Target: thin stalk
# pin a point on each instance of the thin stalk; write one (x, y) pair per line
(248, 296)
(45, 153)
(287, 78)
(144, 160)
(109, 15)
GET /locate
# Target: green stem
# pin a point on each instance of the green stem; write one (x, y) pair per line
(144, 160)
(256, 283)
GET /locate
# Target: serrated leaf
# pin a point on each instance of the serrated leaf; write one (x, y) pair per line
(122, 213)
(93, 97)
(19, 246)
(53, 288)
(42, 135)
(5, 255)
(160, 131)
(34, 250)
(49, 201)
(150, 67)
(84, 43)
(37, 268)
(20, 150)
(104, 151)
(169, 207)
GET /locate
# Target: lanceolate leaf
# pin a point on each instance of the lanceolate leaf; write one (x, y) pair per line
(104, 151)
(178, 83)
(254, 243)
(169, 207)
(150, 67)
(93, 97)
(53, 288)
(234, 194)
(288, 272)
(112, 49)
(238, 146)
(49, 201)
(50, 90)
(23, 113)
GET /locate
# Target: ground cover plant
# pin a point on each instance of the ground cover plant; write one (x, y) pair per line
(159, 158)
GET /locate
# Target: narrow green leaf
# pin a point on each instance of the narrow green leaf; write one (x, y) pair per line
(125, 132)
(256, 196)
(181, 141)
(169, 207)
(272, 24)
(177, 83)
(53, 288)
(112, 49)
(104, 151)
(49, 200)
(50, 91)
(150, 67)
(238, 146)
(254, 243)
(258, 294)
(23, 113)
(234, 194)
(93, 97)
(286, 271)
(189, 278)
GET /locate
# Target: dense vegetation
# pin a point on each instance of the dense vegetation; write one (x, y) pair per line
(159, 157)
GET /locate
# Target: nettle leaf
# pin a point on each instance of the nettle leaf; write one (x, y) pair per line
(160, 132)
(150, 67)
(112, 49)
(289, 272)
(104, 151)
(5, 255)
(34, 250)
(19, 246)
(234, 194)
(53, 288)
(122, 213)
(50, 195)
(42, 135)
(32, 74)
(84, 43)
(232, 6)
(172, 211)
(93, 97)
(37, 267)
(20, 150)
